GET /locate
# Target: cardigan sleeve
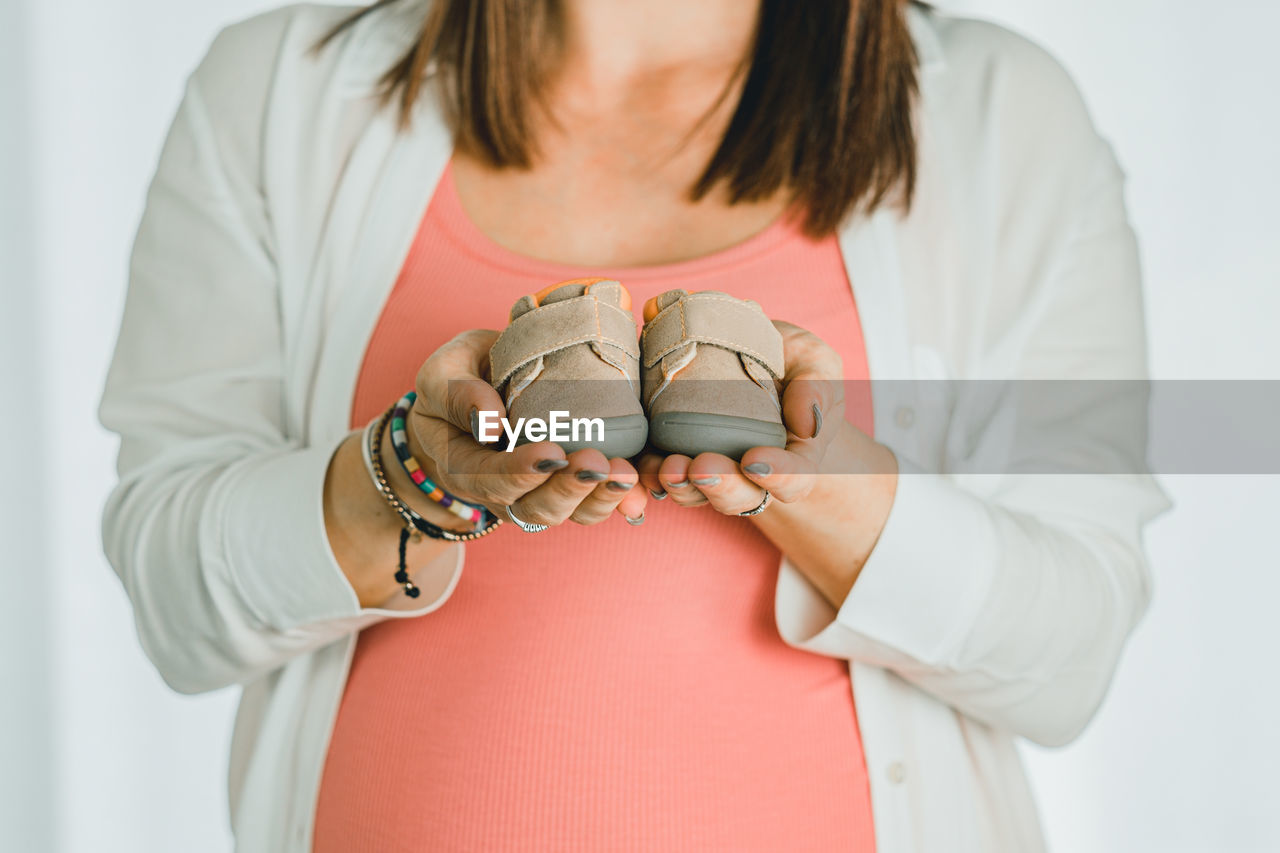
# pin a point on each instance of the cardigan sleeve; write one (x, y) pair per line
(1007, 586)
(216, 525)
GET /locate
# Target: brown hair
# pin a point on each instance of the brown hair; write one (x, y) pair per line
(825, 110)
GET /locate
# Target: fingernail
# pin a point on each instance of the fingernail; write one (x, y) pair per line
(679, 485)
(475, 424)
(589, 476)
(546, 465)
(760, 469)
(614, 485)
(635, 522)
(706, 481)
(817, 420)
(657, 496)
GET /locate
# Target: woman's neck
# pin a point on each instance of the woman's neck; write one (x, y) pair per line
(664, 52)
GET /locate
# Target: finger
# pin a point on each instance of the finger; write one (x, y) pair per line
(474, 407)
(455, 451)
(496, 478)
(451, 391)
(633, 505)
(635, 499)
(810, 403)
(673, 475)
(725, 487)
(813, 408)
(647, 467)
(464, 359)
(555, 500)
(787, 476)
(608, 496)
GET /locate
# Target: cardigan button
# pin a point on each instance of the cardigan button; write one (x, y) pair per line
(904, 417)
(897, 772)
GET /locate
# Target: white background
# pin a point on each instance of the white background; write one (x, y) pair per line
(97, 755)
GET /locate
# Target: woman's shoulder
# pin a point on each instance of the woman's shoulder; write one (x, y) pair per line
(254, 46)
(968, 45)
(986, 89)
(267, 78)
(985, 69)
(278, 46)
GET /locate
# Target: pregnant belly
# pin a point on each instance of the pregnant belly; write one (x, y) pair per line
(591, 689)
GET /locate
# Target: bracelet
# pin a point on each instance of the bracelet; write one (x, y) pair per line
(400, 444)
(415, 525)
(411, 518)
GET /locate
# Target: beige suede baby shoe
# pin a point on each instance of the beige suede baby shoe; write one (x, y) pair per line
(712, 365)
(571, 349)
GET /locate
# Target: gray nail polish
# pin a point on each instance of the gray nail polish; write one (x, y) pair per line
(706, 481)
(635, 522)
(760, 469)
(475, 424)
(546, 465)
(657, 496)
(615, 486)
(588, 476)
(817, 420)
(679, 485)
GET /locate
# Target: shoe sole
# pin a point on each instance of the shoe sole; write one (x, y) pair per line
(624, 437)
(691, 433)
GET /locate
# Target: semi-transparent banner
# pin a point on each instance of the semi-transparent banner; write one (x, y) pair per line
(966, 426)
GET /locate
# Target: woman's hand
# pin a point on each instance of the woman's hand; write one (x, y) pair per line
(834, 485)
(539, 483)
(812, 410)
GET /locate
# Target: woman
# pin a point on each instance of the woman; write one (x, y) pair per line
(343, 205)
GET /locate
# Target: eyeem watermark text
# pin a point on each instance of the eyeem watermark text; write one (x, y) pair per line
(560, 427)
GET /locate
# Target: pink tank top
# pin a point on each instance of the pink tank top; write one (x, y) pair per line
(596, 688)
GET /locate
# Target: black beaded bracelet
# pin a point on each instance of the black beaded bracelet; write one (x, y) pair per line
(415, 525)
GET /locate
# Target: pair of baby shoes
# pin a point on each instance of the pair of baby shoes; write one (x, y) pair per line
(703, 376)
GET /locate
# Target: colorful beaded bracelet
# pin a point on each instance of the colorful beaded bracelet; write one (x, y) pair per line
(400, 443)
(373, 445)
(415, 525)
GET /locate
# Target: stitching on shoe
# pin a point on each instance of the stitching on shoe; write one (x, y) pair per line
(684, 333)
(564, 343)
(732, 346)
(730, 300)
(515, 392)
(668, 376)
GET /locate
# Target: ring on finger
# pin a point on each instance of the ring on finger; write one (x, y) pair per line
(526, 526)
(764, 503)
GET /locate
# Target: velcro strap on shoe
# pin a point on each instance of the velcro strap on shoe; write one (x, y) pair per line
(554, 327)
(719, 320)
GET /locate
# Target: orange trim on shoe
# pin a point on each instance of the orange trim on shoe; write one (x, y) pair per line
(624, 303)
(650, 308)
(541, 294)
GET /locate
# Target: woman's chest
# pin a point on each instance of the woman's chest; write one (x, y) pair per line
(584, 212)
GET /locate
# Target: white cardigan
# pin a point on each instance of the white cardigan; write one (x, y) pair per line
(993, 606)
